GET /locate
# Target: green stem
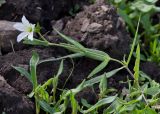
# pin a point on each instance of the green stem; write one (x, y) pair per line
(65, 45)
(37, 107)
(125, 66)
(120, 62)
(42, 37)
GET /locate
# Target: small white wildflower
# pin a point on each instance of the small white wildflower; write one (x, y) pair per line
(26, 28)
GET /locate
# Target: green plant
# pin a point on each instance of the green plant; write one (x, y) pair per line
(80, 51)
(137, 99)
(140, 96)
(32, 76)
(129, 11)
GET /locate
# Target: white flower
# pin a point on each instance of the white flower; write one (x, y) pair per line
(26, 28)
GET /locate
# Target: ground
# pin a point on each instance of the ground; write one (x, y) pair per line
(96, 26)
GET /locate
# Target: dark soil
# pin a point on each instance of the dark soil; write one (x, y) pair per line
(96, 26)
(151, 69)
(43, 11)
(12, 102)
(99, 27)
(46, 71)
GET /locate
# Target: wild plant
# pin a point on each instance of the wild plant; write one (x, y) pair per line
(140, 97)
(149, 35)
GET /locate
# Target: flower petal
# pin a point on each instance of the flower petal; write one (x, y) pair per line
(22, 36)
(30, 36)
(19, 26)
(25, 21)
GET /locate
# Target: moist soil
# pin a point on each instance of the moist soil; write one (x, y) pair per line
(96, 26)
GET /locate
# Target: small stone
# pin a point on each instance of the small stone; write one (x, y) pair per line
(57, 25)
(104, 8)
(85, 24)
(94, 28)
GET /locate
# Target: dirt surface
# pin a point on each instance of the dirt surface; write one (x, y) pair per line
(43, 11)
(47, 70)
(8, 38)
(21, 59)
(97, 26)
(152, 70)
(19, 83)
(12, 102)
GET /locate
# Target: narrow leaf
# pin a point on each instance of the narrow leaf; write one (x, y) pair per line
(46, 107)
(74, 104)
(137, 63)
(23, 72)
(98, 68)
(60, 68)
(98, 78)
(103, 85)
(70, 40)
(134, 42)
(101, 103)
(97, 55)
(36, 42)
(60, 58)
(33, 66)
(85, 103)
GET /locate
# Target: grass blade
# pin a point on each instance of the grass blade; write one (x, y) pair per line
(137, 63)
(134, 42)
(33, 66)
(100, 103)
(60, 58)
(46, 107)
(98, 68)
(60, 68)
(97, 55)
(74, 104)
(70, 40)
(103, 86)
(36, 42)
(98, 78)
(23, 72)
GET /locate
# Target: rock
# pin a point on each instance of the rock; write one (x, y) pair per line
(85, 25)
(100, 27)
(94, 28)
(58, 25)
(8, 35)
(12, 102)
(104, 8)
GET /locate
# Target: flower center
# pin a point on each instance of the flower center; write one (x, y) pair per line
(29, 29)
